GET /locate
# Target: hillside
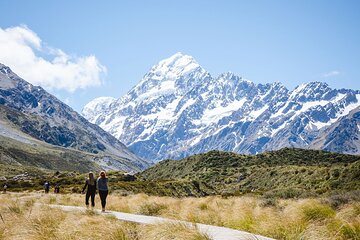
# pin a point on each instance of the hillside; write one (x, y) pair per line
(31, 116)
(38, 156)
(286, 171)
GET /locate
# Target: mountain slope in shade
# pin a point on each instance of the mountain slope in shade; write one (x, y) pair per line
(343, 135)
(29, 112)
(179, 109)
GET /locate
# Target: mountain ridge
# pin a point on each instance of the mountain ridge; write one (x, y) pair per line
(174, 113)
(29, 112)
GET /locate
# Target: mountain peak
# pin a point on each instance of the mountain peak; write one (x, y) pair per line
(179, 109)
(174, 75)
(4, 69)
(311, 90)
(174, 67)
(178, 59)
(229, 75)
(7, 77)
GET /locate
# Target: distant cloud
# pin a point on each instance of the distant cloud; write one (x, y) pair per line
(330, 74)
(22, 50)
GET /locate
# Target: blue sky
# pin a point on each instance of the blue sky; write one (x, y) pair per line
(264, 41)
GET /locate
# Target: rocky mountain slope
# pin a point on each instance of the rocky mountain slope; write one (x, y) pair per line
(29, 113)
(179, 109)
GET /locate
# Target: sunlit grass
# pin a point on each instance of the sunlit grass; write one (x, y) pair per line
(174, 231)
(27, 216)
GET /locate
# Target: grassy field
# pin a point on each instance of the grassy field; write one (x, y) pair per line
(286, 194)
(26, 216)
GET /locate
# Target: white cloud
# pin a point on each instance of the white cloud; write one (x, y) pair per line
(20, 49)
(330, 74)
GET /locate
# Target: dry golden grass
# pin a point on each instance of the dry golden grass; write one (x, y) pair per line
(174, 231)
(25, 218)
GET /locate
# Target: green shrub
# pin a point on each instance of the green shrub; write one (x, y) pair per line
(350, 231)
(318, 212)
(52, 200)
(285, 193)
(152, 209)
(336, 173)
(203, 206)
(269, 202)
(75, 190)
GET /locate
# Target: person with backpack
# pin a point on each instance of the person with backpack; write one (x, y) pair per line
(5, 188)
(90, 184)
(102, 183)
(57, 188)
(46, 187)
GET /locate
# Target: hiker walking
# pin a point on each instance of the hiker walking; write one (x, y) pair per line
(57, 188)
(46, 187)
(5, 188)
(90, 184)
(102, 183)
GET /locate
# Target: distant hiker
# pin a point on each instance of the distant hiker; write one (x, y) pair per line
(57, 188)
(102, 183)
(46, 187)
(91, 190)
(5, 188)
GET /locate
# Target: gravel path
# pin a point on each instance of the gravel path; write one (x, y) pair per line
(214, 232)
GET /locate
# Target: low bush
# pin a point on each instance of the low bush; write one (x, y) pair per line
(152, 209)
(318, 212)
(338, 200)
(288, 193)
(350, 231)
(269, 202)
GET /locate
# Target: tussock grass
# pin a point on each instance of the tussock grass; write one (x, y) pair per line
(175, 231)
(2, 231)
(318, 212)
(15, 207)
(152, 209)
(46, 223)
(310, 218)
(91, 212)
(28, 217)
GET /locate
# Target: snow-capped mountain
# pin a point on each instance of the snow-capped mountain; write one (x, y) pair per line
(96, 107)
(179, 109)
(343, 135)
(30, 113)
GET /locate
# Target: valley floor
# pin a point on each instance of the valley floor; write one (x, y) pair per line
(24, 217)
